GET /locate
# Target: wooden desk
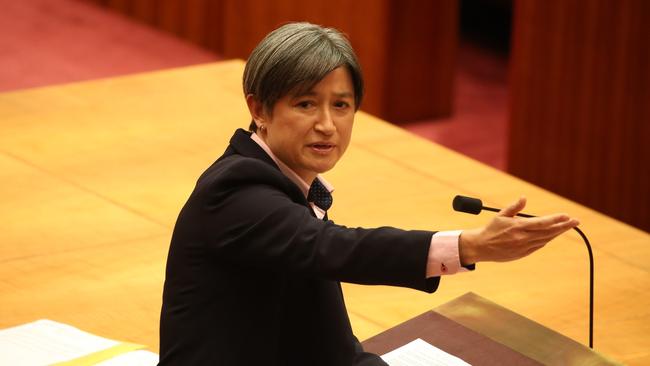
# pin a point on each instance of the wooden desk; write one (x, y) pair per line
(483, 333)
(92, 176)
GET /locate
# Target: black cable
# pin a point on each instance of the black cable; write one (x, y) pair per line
(591, 275)
(591, 288)
(474, 206)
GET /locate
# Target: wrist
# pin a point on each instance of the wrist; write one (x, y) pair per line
(467, 247)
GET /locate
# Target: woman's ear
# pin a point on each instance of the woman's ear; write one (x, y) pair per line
(256, 109)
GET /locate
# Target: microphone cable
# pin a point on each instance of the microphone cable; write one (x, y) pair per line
(474, 206)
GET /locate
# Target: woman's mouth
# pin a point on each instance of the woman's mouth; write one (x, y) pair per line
(322, 148)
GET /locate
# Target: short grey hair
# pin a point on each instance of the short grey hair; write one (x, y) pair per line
(295, 57)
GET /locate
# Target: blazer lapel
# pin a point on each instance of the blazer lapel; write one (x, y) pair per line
(242, 144)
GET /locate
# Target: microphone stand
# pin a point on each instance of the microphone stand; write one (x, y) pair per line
(591, 263)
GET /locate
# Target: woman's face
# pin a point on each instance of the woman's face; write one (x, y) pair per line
(310, 132)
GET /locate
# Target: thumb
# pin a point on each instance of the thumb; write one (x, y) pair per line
(514, 208)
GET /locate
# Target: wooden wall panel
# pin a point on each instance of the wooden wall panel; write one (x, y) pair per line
(145, 11)
(171, 16)
(197, 21)
(247, 22)
(123, 6)
(406, 48)
(425, 36)
(580, 105)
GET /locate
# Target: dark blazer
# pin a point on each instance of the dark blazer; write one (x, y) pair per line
(253, 276)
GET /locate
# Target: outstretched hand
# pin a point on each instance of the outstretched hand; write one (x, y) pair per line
(507, 237)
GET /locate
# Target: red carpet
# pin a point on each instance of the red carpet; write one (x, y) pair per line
(478, 127)
(44, 42)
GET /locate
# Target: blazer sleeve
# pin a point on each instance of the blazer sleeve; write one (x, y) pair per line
(254, 223)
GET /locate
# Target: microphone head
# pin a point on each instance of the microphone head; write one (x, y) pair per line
(467, 205)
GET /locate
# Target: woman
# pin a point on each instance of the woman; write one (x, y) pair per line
(254, 264)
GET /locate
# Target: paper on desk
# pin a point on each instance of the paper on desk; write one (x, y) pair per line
(46, 342)
(421, 353)
(135, 358)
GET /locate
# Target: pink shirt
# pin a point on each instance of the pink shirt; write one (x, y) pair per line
(443, 251)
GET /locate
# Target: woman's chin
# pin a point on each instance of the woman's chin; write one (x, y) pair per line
(323, 167)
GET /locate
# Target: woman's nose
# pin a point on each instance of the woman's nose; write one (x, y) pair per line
(325, 123)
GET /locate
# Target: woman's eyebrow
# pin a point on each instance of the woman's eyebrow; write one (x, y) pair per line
(344, 95)
(312, 93)
(308, 93)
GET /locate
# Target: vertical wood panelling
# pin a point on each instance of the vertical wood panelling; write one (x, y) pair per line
(421, 56)
(145, 10)
(406, 48)
(196, 21)
(367, 34)
(171, 15)
(123, 6)
(214, 21)
(580, 105)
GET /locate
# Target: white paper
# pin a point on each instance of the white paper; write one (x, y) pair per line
(133, 358)
(421, 353)
(45, 342)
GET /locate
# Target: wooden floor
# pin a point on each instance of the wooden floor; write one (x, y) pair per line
(92, 176)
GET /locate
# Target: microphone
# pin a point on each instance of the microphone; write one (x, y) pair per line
(474, 206)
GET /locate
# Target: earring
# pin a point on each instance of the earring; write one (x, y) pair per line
(262, 128)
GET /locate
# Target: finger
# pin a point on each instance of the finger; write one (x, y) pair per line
(548, 235)
(546, 222)
(514, 208)
(561, 228)
(555, 229)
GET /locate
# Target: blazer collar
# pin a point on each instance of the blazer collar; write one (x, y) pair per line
(243, 145)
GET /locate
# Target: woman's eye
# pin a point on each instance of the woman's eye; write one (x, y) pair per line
(341, 104)
(304, 104)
